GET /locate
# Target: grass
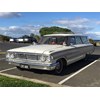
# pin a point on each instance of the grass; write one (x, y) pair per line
(12, 82)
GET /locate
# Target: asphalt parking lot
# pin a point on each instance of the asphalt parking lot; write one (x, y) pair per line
(83, 73)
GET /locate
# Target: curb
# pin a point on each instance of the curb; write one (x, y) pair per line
(33, 80)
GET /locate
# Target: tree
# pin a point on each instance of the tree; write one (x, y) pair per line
(92, 42)
(32, 35)
(37, 37)
(4, 38)
(54, 29)
(25, 36)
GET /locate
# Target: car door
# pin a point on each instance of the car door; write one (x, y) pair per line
(80, 46)
(73, 52)
(88, 48)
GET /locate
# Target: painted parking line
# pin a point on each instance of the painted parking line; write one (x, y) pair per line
(2, 52)
(66, 79)
(7, 69)
(99, 59)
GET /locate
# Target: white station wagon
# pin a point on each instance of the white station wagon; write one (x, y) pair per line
(54, 52)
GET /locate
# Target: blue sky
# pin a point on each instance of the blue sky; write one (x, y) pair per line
(17, 24)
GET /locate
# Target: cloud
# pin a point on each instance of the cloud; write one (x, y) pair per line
(98, 22)
(72, 21)
(9, 14)
(17, 31)
(81, 29)
(94, 35)
(79, 25)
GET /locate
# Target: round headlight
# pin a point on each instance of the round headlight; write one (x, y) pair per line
(49, 58)
(12, 56)
(7, 55)
(43, 58)
(46, 58)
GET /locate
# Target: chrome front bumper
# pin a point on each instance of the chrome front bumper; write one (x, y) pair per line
(41, 66)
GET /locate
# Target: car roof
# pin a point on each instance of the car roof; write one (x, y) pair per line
(65, 35)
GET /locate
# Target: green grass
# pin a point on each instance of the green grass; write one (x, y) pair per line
(12, 82)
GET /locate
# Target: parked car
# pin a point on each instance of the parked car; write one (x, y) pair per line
(54, 52)
(29, 40)
(19, 40)
(12, 40)
(26, 40)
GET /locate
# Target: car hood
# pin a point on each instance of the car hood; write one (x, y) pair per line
(37, 49)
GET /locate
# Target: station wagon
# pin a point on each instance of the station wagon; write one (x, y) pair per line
(53, 52)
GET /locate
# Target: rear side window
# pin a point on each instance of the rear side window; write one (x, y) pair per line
(78, 40)
(84, 39)
(72, 40)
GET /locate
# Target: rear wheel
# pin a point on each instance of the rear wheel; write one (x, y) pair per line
(84, 57)
(59, 67)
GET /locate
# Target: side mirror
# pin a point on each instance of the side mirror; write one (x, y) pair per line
(34, 43)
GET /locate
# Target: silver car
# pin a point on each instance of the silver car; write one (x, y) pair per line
(54, 52)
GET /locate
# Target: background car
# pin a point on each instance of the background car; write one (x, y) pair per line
(12, 40)
(29, 40)
(20, 40)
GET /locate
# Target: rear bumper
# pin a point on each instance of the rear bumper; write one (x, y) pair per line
(35, 65)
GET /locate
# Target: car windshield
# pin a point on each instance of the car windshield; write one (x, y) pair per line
(58, 40)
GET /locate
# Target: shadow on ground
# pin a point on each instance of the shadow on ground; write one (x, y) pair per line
(71, 68)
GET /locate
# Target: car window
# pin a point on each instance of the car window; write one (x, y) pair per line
(72, 41)
(52, 40)
(44, 40)
(59, 40)
(84, 39)
(78, 40)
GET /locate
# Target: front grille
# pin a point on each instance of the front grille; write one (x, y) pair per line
(21, 56)
(26, 56)
(32, 57)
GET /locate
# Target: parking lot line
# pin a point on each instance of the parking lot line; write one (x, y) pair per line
(99, 59)
(7, 69)
(66, 79)
(2, 52)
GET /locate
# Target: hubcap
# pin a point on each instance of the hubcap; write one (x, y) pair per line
(58, 68)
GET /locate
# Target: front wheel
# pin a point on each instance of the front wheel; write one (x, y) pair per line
(19, 68)
(59, 67)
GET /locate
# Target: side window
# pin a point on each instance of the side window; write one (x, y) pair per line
(53, 40)
(44, 40)
(60, 40)
(72, 41)
(84, 40)
(78, 40)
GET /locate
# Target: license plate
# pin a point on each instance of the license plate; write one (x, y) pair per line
(24, 66)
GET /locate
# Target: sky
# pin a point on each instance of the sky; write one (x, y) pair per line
(17, 24)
